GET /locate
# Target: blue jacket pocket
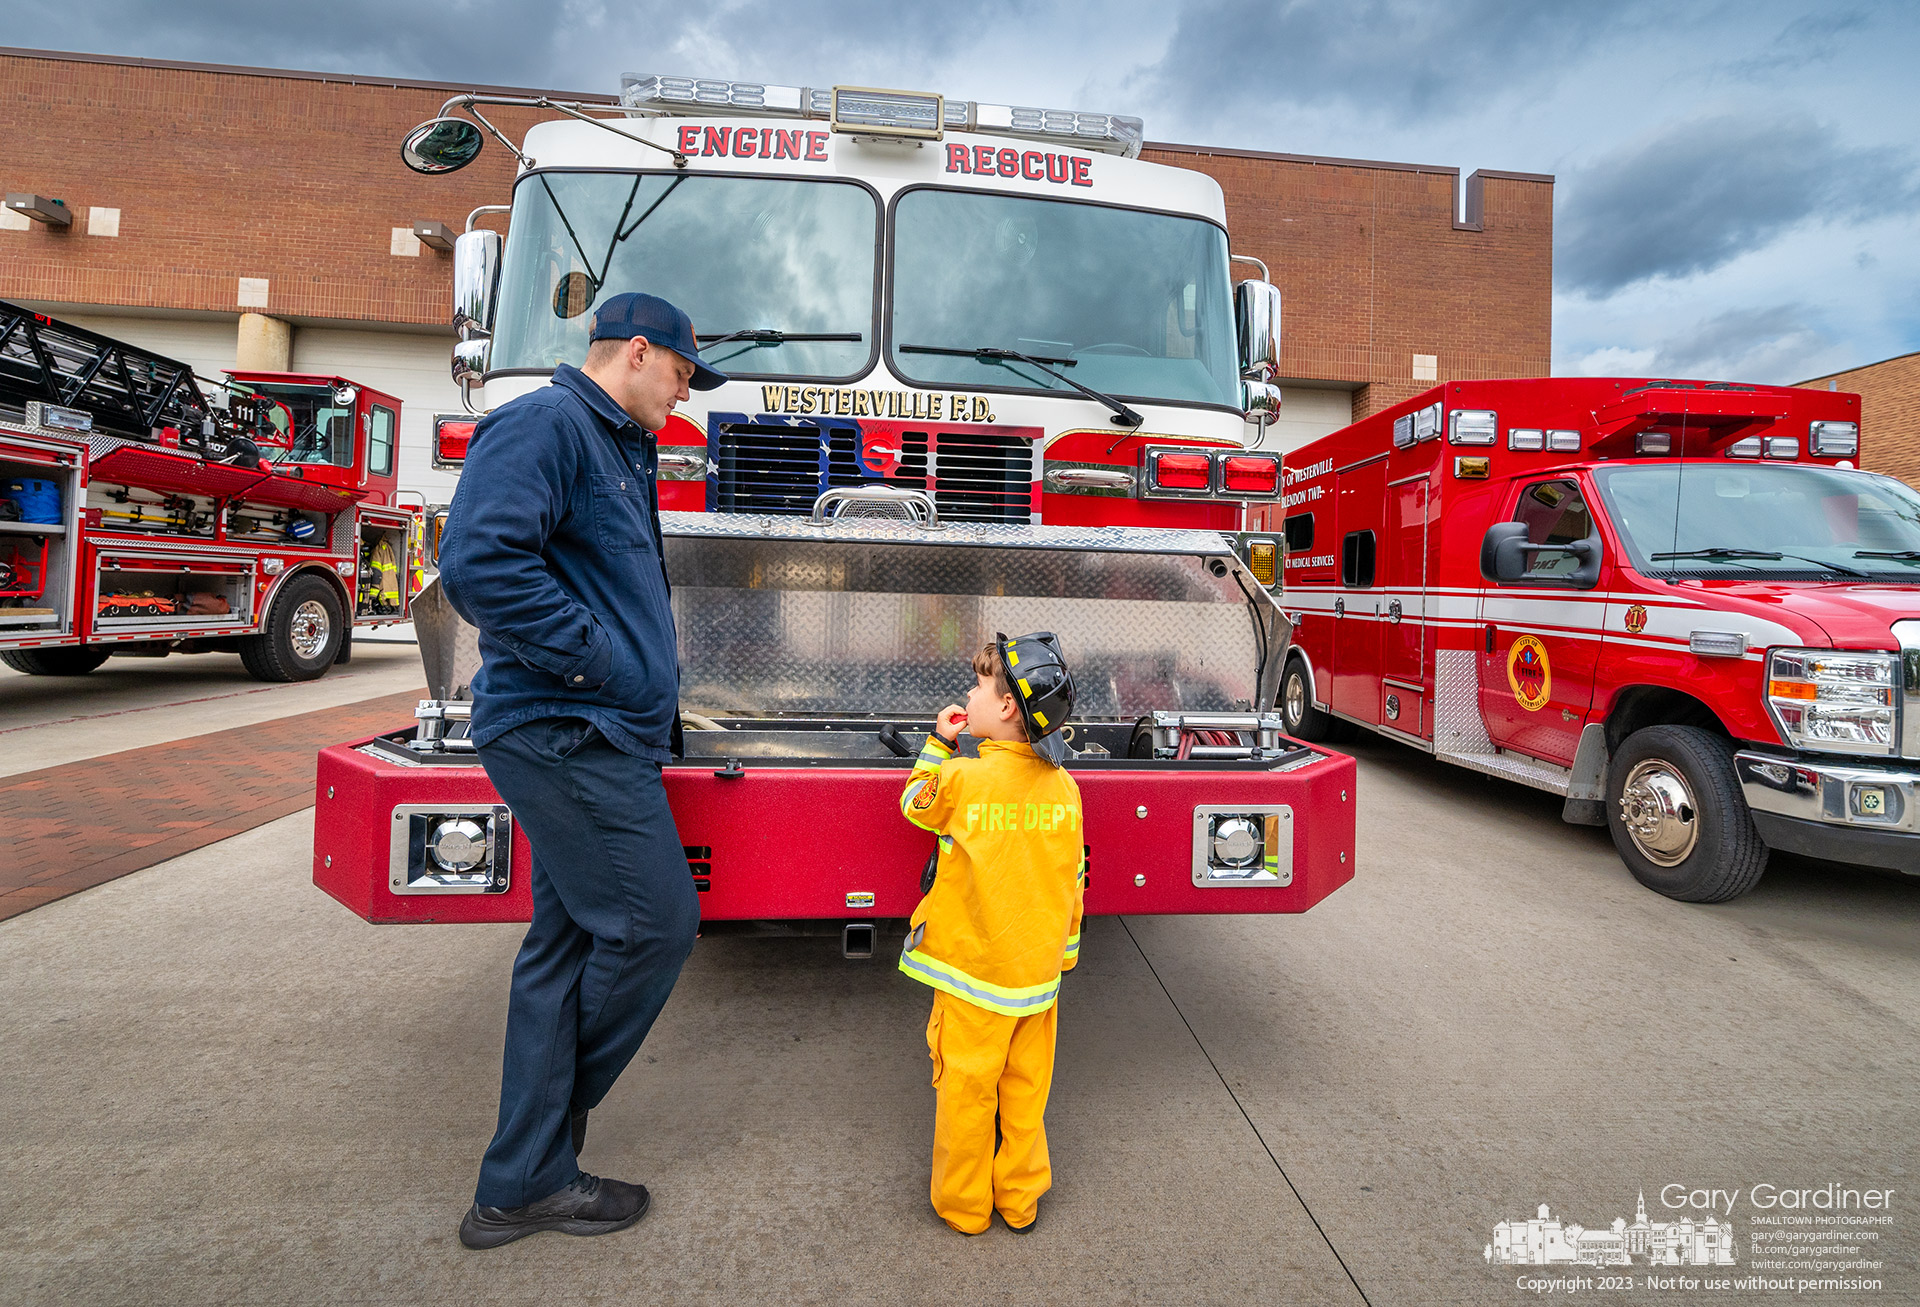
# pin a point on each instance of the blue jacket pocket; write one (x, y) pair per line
(620, 514)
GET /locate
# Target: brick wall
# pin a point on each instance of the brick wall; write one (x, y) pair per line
(1889, 414)
(1374, 268)
(221, 174)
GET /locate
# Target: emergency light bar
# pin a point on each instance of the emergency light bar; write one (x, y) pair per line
(899, 113)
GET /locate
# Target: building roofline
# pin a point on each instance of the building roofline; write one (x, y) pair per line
(1336, 162)
(1832, 376)
(294, 74)
(416, 84)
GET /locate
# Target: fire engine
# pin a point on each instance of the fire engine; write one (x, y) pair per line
(142, 515)
(990, 372)
(1675, 603)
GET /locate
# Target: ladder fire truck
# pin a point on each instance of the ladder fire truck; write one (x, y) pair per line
(1674, 603)
(989, 372)
(141, 514)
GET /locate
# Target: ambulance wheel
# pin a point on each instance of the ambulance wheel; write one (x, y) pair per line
(1304, 721)
(54, 662)
(1677, 816)
(303, 632)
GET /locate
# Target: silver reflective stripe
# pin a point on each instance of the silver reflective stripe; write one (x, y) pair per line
(948, 981)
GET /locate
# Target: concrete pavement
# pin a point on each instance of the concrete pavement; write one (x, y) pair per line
(221, 1087)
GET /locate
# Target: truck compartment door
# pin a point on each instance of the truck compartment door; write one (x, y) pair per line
(39, 544)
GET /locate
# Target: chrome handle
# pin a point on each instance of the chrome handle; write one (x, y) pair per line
(692, 463)
(1393, 610)
(1339, 608)
(916, 506)
(1088, 478)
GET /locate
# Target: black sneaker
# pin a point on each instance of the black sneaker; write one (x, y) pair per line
(578, 1120)
(1021, 1229)
(589, 1205)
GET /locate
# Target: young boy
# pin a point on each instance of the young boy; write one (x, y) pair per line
(999, 926)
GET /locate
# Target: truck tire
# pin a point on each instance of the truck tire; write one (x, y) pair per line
(54, 662)
(1678, 818)
(1304, 721)
(302, 636)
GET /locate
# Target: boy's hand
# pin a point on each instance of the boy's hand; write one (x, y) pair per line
(950, 722)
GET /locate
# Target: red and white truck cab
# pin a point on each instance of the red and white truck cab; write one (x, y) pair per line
(1675, 603)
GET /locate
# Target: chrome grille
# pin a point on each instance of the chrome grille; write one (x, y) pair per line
(974, 476)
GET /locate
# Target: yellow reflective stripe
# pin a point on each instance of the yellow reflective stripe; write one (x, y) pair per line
(995, 998)
(1073, 946)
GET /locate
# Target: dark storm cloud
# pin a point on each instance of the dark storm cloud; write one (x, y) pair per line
(1807, 40)
(1701, 193)
(579, 45)
(1395, 60)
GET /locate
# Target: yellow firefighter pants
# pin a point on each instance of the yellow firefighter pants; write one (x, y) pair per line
(987, 1065)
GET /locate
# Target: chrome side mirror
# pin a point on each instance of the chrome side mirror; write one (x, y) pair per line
(441, 145)
(1256, 316)
(1259, 401)
(470, 363)
(476, 282)
(343, 396)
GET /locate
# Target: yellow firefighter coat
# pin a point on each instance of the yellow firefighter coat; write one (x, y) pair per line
(1003, 919)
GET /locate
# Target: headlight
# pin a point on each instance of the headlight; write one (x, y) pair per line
(1834, 701)
(1250, 845)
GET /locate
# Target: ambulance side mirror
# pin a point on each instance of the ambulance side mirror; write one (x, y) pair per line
(1503, 553)
(1506, 557)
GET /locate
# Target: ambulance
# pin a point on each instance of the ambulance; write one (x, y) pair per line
(1676, 604)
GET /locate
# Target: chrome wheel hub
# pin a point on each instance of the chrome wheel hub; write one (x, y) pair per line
(1658, 811)
(309, 629)
(1296, 701)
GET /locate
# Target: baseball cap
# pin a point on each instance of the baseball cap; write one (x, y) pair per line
(627, 315)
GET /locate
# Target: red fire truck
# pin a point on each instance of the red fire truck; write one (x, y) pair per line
(1675, 603)
(990, 373)
(142, 515)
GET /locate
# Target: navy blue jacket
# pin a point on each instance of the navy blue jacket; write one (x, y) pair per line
(552, 549)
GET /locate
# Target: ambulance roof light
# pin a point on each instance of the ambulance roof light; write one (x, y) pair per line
(1101, 132)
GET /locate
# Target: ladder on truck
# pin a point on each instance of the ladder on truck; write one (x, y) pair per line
(60, 377)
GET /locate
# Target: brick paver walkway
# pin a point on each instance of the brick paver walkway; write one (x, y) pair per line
(72, 827)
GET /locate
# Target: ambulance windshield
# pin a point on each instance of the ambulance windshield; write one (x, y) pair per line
(1756, 520)
(1138, 305)
(788, 261)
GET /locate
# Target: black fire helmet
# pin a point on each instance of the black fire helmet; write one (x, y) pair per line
(1042, 686)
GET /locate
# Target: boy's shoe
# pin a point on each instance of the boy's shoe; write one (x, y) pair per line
(1021, 1229)
(588, 1206)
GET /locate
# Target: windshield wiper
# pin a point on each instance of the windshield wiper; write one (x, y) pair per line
(1735, 555)
(1886, 553)
(768, 336)
(1122, 415)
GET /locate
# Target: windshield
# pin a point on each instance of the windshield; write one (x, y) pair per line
(1759, 520)
(302, 423)
(736, 253)
(1139, 303)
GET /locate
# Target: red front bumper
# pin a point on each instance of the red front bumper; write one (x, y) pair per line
(809, 842)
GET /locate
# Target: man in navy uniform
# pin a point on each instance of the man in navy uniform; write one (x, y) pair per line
(553, 550)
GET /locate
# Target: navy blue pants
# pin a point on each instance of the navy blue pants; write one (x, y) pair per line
(614, 917)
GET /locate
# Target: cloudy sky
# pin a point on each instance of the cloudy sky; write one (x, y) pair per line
(1738, 182)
